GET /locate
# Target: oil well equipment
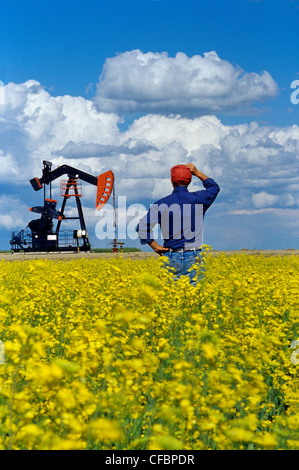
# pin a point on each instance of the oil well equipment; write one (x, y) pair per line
(41, 235)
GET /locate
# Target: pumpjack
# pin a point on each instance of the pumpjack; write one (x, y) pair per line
(40, 235)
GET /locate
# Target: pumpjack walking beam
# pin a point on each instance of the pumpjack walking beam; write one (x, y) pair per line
(104, 182)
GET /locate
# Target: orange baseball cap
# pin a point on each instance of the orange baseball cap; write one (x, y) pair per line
(181, 174)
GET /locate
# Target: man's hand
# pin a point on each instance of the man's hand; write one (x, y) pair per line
(196, 172)
(158, 248)
(192, 168)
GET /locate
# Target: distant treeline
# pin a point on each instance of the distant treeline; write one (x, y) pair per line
(98, 250)
(108, 250)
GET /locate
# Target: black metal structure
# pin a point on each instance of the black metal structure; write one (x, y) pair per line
(40, 234)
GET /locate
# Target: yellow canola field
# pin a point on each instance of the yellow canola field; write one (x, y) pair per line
(113, 354)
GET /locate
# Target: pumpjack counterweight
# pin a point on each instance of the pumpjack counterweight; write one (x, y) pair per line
(40, 235)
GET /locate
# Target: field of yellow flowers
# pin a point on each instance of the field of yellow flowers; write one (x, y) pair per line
(113, 354)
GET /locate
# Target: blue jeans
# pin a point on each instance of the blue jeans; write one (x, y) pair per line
(182, 261)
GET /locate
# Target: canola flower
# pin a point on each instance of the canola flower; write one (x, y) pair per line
(113, 354)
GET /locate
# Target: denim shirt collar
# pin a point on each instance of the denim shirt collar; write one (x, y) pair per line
(180, 188)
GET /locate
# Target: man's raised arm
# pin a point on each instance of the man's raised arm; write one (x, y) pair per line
(212, 188)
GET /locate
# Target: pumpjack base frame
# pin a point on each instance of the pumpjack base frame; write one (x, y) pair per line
(24, 242)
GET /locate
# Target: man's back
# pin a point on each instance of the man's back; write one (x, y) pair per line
(180, 216)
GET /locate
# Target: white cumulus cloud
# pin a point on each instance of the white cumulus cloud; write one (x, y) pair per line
(14, 213)
(35, 126)
(150, 82)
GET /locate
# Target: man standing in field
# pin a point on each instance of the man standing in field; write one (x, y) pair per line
(180, 216)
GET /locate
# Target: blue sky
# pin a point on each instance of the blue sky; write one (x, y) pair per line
(109, 62)
(64, 44)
